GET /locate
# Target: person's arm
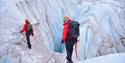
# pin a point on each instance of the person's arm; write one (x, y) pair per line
(65, 32)
(24, 28)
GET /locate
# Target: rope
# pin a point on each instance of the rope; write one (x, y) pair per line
(76, 51)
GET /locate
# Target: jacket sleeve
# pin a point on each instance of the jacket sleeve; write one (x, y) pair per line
(65, 32)
(24, 28)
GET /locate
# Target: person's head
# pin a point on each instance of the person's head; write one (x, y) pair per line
(26, 21)
(65, 18)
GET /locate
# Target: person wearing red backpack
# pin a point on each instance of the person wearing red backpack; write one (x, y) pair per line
(29, 31)
(68, 37)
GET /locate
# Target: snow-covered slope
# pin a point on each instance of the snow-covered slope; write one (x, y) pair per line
(112, 58)
(102, 26)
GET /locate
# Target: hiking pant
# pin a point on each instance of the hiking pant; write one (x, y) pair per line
(69, 47)
(28, 33)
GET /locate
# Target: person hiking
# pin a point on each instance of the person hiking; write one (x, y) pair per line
(29, 30)
(69, 36)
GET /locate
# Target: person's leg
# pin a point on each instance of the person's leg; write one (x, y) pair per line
(28, 39)
(68, 52)
(72, 41)
(69, 49)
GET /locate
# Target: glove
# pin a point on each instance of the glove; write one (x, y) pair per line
(62, 41)
(20, 32)
(32, 34)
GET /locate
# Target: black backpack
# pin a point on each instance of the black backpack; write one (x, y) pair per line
(74, 29)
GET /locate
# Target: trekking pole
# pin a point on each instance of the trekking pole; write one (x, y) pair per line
(76, 51)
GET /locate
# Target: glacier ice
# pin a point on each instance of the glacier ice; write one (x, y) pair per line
(102, 26)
